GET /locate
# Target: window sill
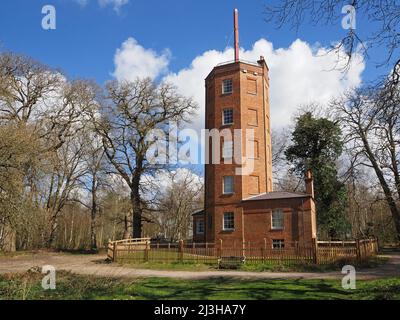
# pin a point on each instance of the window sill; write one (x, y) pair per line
(227, 194)
(226, 93)
(227, 125)
(227, 230)
(277, 229)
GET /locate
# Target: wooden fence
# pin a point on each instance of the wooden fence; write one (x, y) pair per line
(332, 251)
(318, 252)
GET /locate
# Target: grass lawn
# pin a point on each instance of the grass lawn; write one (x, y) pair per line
(69, 286)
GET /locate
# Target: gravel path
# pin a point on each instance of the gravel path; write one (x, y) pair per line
(96, 265)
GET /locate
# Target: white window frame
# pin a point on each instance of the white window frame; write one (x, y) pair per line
(227, 149)
(223, 116)
(223, 86)
(224, 183)
(282, 219)
(232, 220)
(198, 224)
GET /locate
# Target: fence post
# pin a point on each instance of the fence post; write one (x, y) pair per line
(262, 254)
(114, 257)
(264, 250)
(108, 248)
(358, 250)
(181, 250)
(146, 252)
(364, 252)
(315, 250)
(220, 248)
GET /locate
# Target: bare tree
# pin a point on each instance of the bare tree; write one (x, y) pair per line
(175, 202)
(383, 17)
(371, 120)
(133, 111)
(280, 141)
(26, 86)
(66, 171)
(17, 149)
(93, 181)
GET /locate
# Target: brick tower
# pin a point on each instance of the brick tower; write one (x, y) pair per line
(242, 208)
(236, 98)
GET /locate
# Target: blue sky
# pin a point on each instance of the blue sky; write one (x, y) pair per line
(86, 38)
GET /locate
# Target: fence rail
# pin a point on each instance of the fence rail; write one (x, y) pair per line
(317, 252)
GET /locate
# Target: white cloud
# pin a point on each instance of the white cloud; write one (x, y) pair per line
(132, 61)
(116, 4)
(299, 74)
(164, 179)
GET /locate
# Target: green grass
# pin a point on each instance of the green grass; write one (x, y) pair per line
(69, 286)
(372, 262)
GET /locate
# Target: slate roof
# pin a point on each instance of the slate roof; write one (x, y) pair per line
(277, 195)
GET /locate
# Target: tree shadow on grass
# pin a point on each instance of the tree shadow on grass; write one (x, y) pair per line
(233, 288)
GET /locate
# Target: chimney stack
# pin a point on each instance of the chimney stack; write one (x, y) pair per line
(236, 32)
(309, 183)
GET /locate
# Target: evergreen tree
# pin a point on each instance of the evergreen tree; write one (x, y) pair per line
(317, 144)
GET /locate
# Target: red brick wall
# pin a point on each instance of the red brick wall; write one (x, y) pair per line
(252, 218)
(298, 225)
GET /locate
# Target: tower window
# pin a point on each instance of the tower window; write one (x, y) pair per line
(229, 221)
(200, 226)
(277, 219)
(227, 116)
(227, 150)
(227, 86)
(228, 184)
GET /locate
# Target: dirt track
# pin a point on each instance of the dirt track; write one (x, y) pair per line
(96, 265)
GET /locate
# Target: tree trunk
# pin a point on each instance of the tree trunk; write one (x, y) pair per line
(53, 228)
(385, 187)
(136, 211)
(93, 237)
(126, 228)
(9, 241)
